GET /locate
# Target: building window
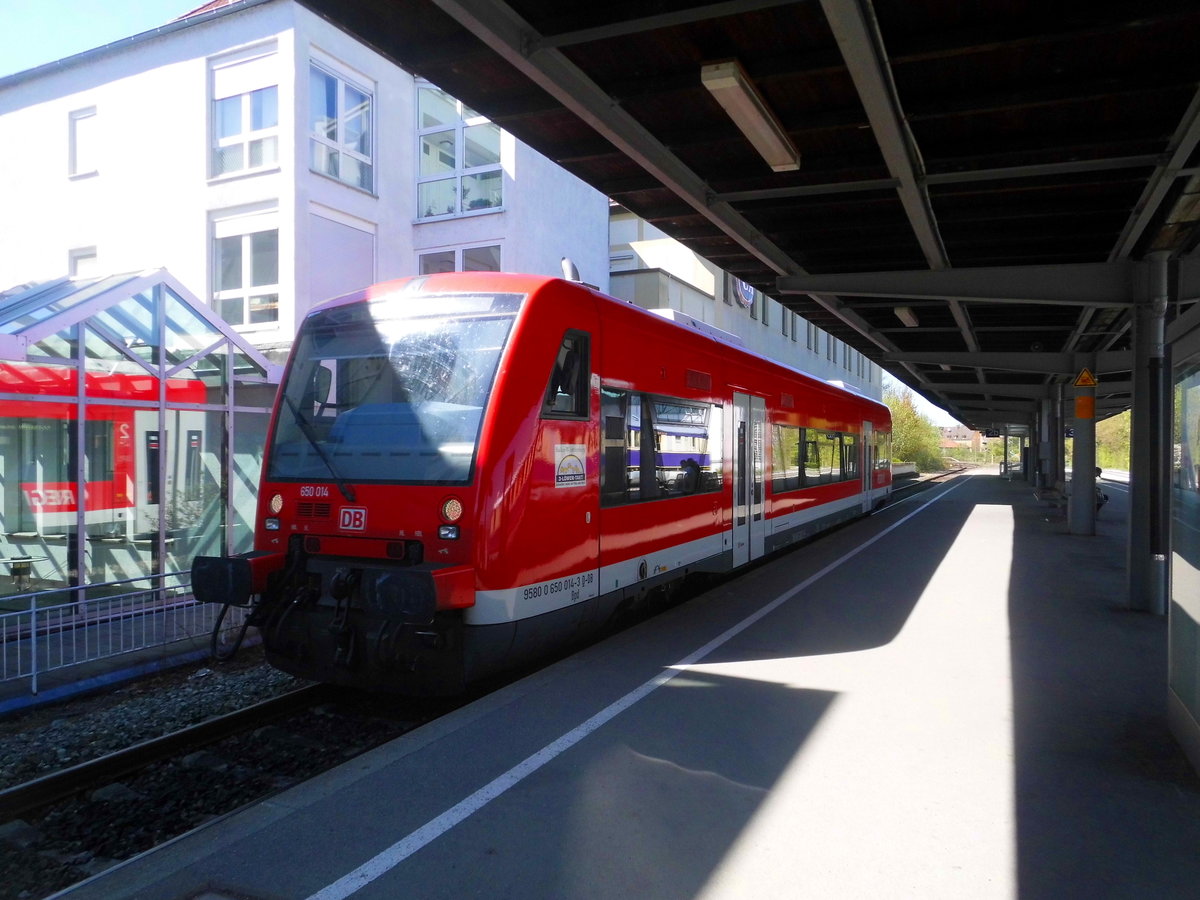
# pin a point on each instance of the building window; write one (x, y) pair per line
(82, 137)
(246, 270)
(245, 131)
(340, 128)
(245, 111)
(458, 156)
(81, 262)
(466, 259)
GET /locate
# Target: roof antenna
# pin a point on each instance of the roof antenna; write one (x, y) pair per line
(570, 270)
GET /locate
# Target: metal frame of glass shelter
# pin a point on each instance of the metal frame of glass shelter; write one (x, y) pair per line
(174, 405)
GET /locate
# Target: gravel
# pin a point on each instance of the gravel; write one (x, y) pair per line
(53, 737)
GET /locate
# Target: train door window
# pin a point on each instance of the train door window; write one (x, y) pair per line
(786, 471)
(98, 437)
(614, 451)
(152, 482)
(192, 465)
(849, 457)
(883, 450)
(567, 393)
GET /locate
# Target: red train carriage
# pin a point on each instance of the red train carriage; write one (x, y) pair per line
(467, 470)
(121, 446)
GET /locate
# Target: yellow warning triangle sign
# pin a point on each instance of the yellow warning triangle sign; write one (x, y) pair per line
(1086, 379)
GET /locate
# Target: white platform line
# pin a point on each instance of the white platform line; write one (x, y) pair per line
(388, 859)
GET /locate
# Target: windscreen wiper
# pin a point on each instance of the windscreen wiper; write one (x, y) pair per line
(307, 430)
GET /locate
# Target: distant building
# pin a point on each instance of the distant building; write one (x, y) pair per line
(655, 271)
(955, 437)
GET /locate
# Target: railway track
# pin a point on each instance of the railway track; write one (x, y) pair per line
(22, 799)
(60, 828)
(912, 486)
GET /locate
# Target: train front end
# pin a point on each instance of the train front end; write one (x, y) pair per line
(364, 543)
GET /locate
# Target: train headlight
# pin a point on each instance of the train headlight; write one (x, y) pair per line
(271, 524)
(452, 509)
(276, 504)
(448, 532)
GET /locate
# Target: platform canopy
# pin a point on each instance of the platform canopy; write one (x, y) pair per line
(129, 318)
(1016, 162)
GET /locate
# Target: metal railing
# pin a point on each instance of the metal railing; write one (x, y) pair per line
(99, 621)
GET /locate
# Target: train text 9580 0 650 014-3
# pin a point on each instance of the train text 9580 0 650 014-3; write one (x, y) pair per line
(580, 586)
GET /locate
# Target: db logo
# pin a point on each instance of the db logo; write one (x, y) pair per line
(353, 518)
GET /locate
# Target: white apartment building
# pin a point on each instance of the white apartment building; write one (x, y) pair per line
(270, 162)
(657, 272)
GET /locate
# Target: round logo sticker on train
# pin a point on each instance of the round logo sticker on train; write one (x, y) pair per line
(570, 466)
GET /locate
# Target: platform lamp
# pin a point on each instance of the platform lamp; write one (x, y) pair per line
(730, 86)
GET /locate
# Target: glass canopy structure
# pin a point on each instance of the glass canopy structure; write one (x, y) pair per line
(132, 422)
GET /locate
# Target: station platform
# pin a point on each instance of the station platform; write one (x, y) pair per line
(944, 700)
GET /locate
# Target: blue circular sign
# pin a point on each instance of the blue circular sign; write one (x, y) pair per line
(744, 293)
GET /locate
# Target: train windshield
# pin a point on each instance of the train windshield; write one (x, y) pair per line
(377, 392)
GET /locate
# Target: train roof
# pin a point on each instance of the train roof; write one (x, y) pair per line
(512, 282)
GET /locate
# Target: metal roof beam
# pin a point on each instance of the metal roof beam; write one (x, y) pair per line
(1179, 150)
(1116, 284)
(1031, 391)
(1042, 363)
(858, 38)
(652, 23)
(1071, 167)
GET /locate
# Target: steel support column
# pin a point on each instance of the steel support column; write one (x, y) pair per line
(1081, 510)
(1047, 427)
(1060, 439)
(1149, 512)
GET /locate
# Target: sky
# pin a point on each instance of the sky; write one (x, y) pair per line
(33, 32)
(934, 414)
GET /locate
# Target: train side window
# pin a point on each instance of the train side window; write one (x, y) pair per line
(567, 393)
(849, 457)
(655, 447)
(787, 472)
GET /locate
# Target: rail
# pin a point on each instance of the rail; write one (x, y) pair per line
(99, 621)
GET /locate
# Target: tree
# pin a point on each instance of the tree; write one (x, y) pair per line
(915, 439)
(1112, 442)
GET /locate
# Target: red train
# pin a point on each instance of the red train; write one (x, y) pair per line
(468, 470)
(121, 446)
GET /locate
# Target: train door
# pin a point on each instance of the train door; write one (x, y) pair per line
(868, 466)
(749, 519)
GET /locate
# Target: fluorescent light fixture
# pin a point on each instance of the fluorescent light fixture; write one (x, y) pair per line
(907, 316)
(732, 88)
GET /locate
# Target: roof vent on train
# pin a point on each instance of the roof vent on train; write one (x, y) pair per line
(711, 331)
(571, 273)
